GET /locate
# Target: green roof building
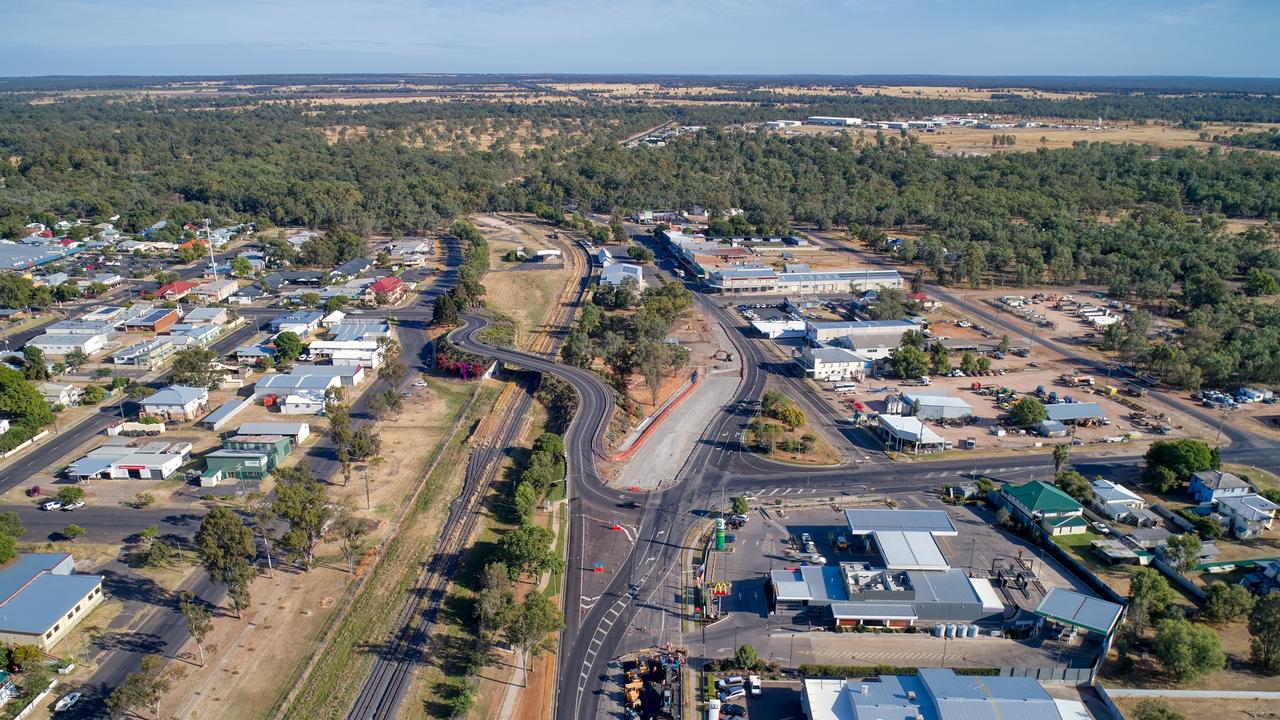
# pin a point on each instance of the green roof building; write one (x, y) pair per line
(1044, 505)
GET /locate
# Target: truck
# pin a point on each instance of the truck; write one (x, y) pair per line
(1077, 380)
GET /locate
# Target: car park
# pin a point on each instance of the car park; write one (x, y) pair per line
(51, 505)
(734, 681)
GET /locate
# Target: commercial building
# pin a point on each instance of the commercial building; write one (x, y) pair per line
(1039, 504)
(147, 353)
(621, 273)
(358, 329)
(59, 344)
(208, 316)
(1210, 485)
(42, 598)
(283, 385)
(297, 431)
(1075, 413)
(83, 326)
(909, 580)
(871, 335)
(907, 433)
(932, 407)
(762, 280)
(828, 120)
(119, 460)
(218, 419)
(934, 694)
(157, 320)
(216, 291)
(348, 375)
(833, 363)
(176, 403)
(348, 352)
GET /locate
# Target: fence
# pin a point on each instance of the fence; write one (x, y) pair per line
(24, 445)
(1056, 675)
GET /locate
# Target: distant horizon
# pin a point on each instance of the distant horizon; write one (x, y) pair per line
(1089, 38)
(1047, 82)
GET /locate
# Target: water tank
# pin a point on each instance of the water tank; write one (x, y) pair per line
(951, 630)
(973, 631)
(937, 630)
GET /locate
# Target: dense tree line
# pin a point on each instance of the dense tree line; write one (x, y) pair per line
(1268, 140)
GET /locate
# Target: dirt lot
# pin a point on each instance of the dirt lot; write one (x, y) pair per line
(1203, 708)
(525, 292)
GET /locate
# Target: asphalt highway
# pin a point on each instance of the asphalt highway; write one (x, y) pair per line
(598, 612)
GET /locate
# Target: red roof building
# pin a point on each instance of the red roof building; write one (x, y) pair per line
(390, 287)
(175, 290)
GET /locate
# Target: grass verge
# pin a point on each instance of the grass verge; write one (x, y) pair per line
(335, 680)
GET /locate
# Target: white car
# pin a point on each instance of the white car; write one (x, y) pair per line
(66, 701)
(73, 506)
(735, 681)
(754, 683)
(51, 505)
(733, 694)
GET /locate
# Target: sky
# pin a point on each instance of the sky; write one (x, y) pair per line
(948, 37)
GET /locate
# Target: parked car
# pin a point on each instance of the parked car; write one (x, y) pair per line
(66, 701)
(806, 538)
(1102, 528)
(733, 711)
(33, 491)
(734, 681)
(733, 694)
(73, 506)
(753, 682)
(51, 505)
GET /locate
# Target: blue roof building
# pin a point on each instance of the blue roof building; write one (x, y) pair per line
(932, 694)
(42, 598)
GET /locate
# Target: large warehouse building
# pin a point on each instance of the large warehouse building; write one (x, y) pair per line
(909, 582)
(934, 694)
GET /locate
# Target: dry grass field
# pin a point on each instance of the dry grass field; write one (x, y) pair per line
(944, 92)
(1204, 708)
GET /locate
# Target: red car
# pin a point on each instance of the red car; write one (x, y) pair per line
(33, 491)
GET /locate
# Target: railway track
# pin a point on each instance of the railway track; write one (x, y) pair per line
(384, 689)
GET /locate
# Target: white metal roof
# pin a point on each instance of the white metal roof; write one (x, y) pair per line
(912, 550)
(910, 429)
(1074, 608)
(862, 521)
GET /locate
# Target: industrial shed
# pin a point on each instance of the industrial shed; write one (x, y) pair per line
(935, 407)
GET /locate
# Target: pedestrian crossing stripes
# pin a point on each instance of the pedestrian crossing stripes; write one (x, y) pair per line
(831, 654)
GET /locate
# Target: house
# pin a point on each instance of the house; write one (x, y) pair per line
(933, 694)
(303, 402)
(177, 403)
(833, 363)
(121, 460)
(175, 290)
(252, 353)
(302, 322)
(621, 273)
(1211, 485)
(247, 295)
(216, 291)
(1115, 501)
(390, 288)
(932, 407)
(42, 599)
(64, 394)
(1247, 516)
(603, 257)
(1037, 503)
(147, 353)
(208, 316)
(350, 268)
(157, 320)
(60, 344)
(283, 385)
(297, 431)
(304, 278)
